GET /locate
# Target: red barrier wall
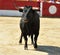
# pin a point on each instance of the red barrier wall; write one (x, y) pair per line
(51, 10)
(8, 4)
(48, 9)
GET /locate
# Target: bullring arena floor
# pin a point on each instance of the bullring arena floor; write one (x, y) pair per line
(48, 40)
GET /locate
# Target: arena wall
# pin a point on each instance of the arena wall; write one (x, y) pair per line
(7, 6)
(51, 10)
(46, 9)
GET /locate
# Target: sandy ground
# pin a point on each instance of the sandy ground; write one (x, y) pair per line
(48, 40)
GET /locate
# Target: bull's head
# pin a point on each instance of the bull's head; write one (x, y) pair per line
(27, 12)
(26, 16)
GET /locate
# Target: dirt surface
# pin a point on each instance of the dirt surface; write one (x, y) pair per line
(48, 40)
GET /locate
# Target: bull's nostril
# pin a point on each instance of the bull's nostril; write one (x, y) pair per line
(25, 20)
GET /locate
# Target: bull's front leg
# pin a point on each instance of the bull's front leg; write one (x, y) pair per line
(32, 39)
(20, 41)
(25, 38)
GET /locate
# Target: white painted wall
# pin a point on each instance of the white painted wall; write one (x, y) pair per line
(41, 7)
(10, 13)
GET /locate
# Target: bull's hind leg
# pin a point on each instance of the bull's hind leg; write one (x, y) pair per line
(35, 41)
(25, 38)
(20, 41)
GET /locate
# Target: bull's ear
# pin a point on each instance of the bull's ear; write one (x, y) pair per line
(20, 10)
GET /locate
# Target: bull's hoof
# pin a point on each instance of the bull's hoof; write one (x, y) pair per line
(35, 46)
(25, 48)
(20, 42)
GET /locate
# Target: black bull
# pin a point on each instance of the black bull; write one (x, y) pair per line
(29, 25)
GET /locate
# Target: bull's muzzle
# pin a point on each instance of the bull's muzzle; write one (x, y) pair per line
(25, 20)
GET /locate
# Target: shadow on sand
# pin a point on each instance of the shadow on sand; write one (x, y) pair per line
(51, 50)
